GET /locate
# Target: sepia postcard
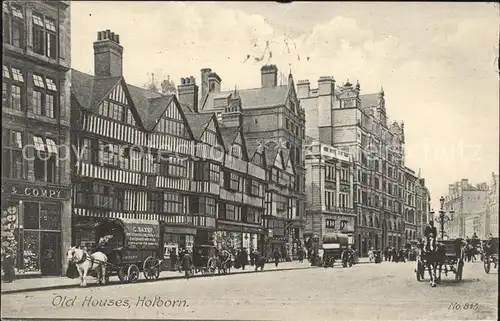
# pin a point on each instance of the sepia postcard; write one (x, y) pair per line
(270, 160)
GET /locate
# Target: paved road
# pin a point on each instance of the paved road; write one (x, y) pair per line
(387, 291)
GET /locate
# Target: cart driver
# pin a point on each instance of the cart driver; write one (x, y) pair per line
(103, 241)
(430, 232)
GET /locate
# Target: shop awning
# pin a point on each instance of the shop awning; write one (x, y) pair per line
(335, 238)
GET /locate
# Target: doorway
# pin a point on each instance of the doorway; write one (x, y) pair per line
(50, 251)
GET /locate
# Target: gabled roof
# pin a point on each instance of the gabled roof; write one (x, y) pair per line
(369, 100)
(89, 91)
(198, 123)
(229, 135)
(157, 107)
(251, 98)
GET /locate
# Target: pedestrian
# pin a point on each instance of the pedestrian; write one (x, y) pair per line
(252, 257)
(301, 255)
(244, 258)
(8, 266)
(276, 257)
(186, 264)
(173, 259)
(386, 253)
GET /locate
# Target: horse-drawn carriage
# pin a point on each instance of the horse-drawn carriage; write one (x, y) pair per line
(336, 248)
(448, 256)
(207, 259)
(131, 247)
(490, 250)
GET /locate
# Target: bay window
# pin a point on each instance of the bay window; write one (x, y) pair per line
(174, 203)
(173, 167)
(109, 154)
(155, 202)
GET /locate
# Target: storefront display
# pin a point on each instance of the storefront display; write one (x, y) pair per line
(9, 223)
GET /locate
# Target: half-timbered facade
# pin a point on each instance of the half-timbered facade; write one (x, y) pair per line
(241, 202)
(36, 197)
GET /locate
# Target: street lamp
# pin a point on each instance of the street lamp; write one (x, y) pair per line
(442, 218)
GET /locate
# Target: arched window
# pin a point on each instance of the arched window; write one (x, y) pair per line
(370, 219)
(364, 221)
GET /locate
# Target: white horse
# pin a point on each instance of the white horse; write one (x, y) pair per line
(86, 263)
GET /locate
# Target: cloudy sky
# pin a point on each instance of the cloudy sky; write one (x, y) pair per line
(435, 61)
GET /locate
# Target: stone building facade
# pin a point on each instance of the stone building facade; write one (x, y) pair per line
(410, 205)
(423, 207)
(488, 218)
(36, 178)
(467, 202)
(329, 190)
(342, 117)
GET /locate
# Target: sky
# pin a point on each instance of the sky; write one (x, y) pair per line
(437, 62)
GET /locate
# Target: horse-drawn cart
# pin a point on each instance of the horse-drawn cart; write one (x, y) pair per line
(447, 257)
(132, 246)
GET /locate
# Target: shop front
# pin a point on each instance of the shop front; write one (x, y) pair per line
(232, 236)
(36, 228)
(175, 239)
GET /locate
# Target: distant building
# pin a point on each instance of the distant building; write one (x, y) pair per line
(423, 199)
(410, 215)
(467, 201)
(489, 218)
(329, 190)
(357, 123)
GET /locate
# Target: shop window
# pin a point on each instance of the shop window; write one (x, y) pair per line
(50, 216)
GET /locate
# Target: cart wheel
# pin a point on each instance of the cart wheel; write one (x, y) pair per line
(487, 265)
(122, 275)
(133, 273)
(151, 268)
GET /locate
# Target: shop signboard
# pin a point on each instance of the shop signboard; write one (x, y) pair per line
(141, 234)
(32, 191)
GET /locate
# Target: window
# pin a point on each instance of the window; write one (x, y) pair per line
(155, 200)
(83, 193)
(12, 88)
(171, 126)
(329, 199)
(201, 171)
(255, 188)
(233, 212)
(12, 155)
(236, 151)
(287, 124)
(45, 168)
(173, 167)
(174, 203)
(109, 154)
(44, 93)
(44, 36)
(207, 206)
(13, 25)
(109, 197)
(214, 173)
(330, 223)
(234, 183)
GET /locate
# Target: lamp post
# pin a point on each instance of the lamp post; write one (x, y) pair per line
(442, 218)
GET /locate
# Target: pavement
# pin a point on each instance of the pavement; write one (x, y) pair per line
(51, 283)
(387, 291)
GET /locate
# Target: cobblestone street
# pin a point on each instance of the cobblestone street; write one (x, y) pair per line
(386, 291)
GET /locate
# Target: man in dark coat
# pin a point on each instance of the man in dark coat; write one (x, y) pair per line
(186, 264)
(252, 257)
(276, 257)
(243, 258)
(8, 266)
(430, 232)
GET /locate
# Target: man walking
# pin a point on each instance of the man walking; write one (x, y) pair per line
(276, 257)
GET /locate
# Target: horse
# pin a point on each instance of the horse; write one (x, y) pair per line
(433, 258)
(85, 263)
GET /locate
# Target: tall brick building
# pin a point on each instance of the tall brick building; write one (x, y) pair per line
(358, 124)
(272, 117)
(36, 188)
(329, 190)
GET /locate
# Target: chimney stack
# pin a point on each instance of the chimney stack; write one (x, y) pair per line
(204, 82)
(269, 76)
(187, 93)
(108, 55)
(303, 88)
